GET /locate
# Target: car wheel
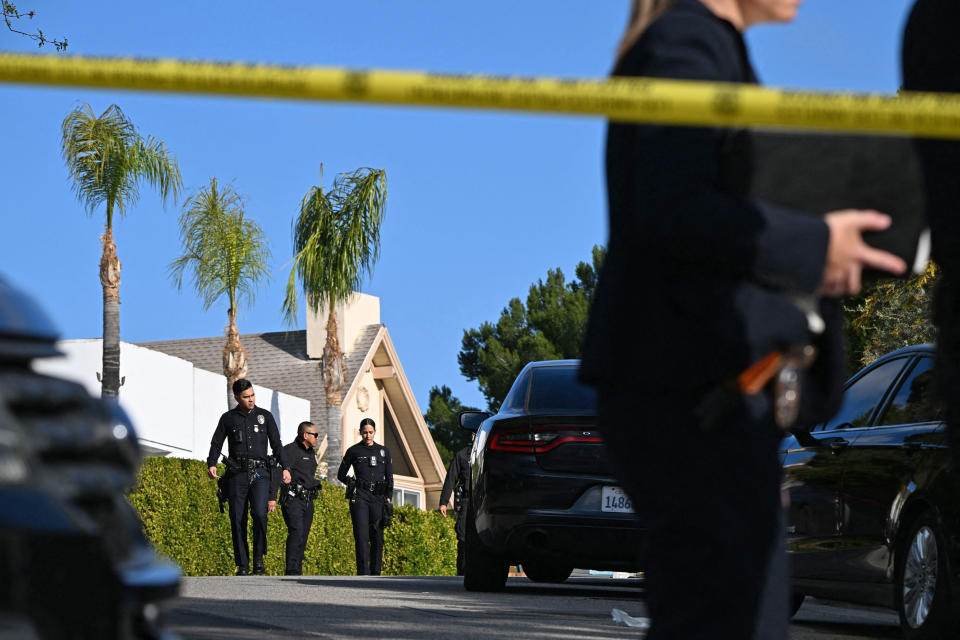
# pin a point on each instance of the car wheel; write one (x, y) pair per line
(539, 571)
(923, 590)
(796, 601)
(483, 570)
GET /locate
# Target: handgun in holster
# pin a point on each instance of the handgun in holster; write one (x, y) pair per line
(232, 465)
(351, 492)
(782, 369)
(458, 498)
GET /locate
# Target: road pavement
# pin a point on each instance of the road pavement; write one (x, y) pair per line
(255, 607)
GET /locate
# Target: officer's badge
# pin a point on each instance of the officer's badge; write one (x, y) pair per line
(383, 454)
(261, 419)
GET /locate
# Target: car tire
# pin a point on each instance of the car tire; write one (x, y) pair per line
(539, 571)
(923, 590)
(483, 570)
(796, 601)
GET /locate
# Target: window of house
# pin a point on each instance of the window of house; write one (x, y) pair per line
(406, 496)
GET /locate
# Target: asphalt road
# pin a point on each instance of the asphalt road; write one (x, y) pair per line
(437, 607)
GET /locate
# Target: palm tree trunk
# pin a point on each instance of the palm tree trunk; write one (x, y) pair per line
(234, 356)
(332, 374)
(110, 280)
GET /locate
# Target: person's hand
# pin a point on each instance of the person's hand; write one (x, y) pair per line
(212, 472)
(286, 477)
(271, 505)
(848, 254)
(443, 510)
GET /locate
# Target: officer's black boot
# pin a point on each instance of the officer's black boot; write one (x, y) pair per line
(258, 567)
(243, 571)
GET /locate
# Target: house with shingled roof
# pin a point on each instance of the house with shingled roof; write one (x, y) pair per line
(287, 365)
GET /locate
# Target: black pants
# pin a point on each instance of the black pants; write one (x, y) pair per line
(460, 529)
(711, 502)
(366, 513)
(298, 515)
(240, 493)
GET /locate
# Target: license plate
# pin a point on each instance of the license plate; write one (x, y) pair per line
(615, 500)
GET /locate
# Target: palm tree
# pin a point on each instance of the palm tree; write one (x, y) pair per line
(336, 241)
(227, 255)
(106, 159)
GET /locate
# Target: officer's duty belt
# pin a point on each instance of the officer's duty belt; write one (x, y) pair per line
(248, 464)
(372, 487)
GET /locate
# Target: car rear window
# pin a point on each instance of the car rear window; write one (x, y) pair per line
(557, 389)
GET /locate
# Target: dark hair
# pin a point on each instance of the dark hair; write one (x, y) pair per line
(368, 421)
(240, 386)
(302, 427)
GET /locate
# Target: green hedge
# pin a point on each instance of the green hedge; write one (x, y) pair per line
(177, 503)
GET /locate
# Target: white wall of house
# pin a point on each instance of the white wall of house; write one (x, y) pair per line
(353, 316)
(174, 406)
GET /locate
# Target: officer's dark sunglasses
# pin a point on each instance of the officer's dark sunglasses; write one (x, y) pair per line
(311, 433)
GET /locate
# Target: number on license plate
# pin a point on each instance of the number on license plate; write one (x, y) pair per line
(615, 500)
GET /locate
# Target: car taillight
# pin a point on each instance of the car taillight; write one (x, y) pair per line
(542, 439)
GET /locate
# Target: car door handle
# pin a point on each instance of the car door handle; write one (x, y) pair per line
(839, 445)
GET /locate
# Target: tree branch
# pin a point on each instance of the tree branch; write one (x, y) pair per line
(11, 11)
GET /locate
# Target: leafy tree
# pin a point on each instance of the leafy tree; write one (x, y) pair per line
(226, 254)
(11, 13)
(336, 240)
(888, 315)
(441, 418)
(106, 159)
(549, 327)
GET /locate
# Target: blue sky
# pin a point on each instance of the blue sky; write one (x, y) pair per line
(480, 204)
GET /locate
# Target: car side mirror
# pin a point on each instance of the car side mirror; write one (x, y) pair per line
(470, 420)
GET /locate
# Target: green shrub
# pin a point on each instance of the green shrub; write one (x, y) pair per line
(178, 505)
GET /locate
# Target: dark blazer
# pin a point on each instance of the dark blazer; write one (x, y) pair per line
(931, 62)
(695, 283)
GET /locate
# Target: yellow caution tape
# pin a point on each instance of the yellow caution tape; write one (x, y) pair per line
(634, 99)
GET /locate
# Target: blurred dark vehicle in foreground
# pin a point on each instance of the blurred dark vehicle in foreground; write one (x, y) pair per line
(874, 510)
(542, 494)
(74, 562)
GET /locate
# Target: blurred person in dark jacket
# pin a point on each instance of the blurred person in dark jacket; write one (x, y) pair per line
(717, 273)
(931, 62)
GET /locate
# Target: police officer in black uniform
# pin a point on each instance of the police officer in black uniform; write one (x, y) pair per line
(247, 428)
(457, 483)
(369, 491)
(297, 496)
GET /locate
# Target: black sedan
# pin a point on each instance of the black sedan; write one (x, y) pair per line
(874, 514)
(542, 494)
